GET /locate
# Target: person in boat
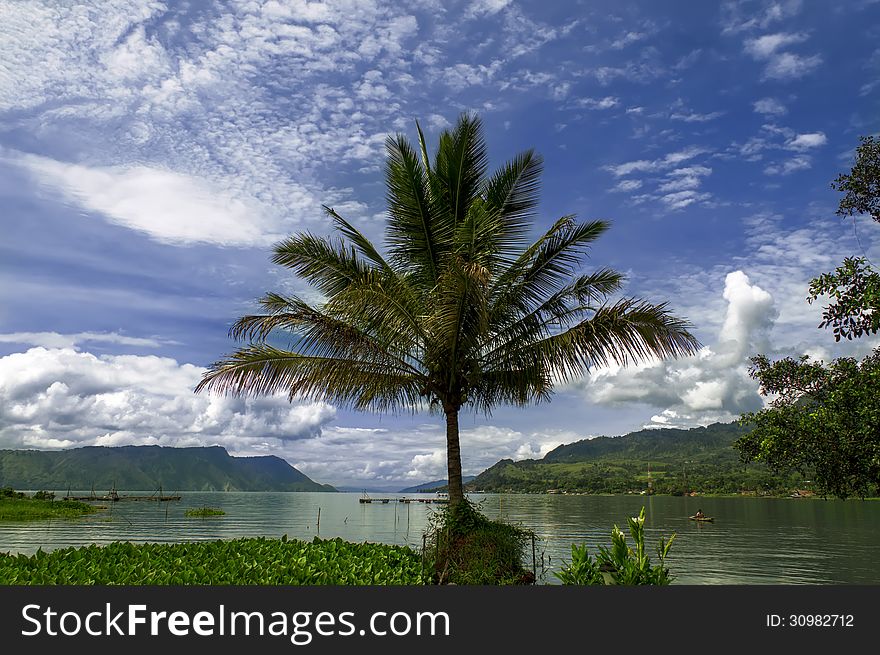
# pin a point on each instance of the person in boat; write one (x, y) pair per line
(699, 514)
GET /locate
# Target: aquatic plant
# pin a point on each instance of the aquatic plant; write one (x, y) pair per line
(201, 512)
(252, 561)
(620, 564)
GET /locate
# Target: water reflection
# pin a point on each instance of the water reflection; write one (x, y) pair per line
(752, 541)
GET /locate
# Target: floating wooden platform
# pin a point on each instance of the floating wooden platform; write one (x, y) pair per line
(114, 496)
(367, 500)
(117, 498)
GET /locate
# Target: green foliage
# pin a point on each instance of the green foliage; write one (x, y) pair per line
(463, 312)
(255, 561)
(148, 467)
(622, 564)
(463, 546)
(824, 418)
(861, 185)
(855, 291)
(854, 288)
(201, 512)
(18, 507)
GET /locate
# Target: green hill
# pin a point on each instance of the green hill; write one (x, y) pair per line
(436, 485)
(149, 467)
(673, 460)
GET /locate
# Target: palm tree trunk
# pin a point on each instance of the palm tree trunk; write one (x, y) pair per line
(453, 457)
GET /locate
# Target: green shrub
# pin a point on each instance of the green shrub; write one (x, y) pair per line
(465, 547)
(619, 564)
(44, 495)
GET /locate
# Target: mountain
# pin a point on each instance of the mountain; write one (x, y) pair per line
(672, 461)
(436, 485)
(149, 467)
(666, 444)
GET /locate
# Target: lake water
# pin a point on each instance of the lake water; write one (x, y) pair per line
(752, 541)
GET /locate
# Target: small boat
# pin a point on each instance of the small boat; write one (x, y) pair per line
(702, 518)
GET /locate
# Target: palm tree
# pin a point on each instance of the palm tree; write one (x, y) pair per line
(459, 311)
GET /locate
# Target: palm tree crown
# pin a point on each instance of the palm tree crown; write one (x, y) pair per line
(460, 310)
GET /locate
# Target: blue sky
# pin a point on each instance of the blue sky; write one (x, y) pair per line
(152, 152)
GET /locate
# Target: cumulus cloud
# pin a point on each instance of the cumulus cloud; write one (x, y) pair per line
(714, 384)
(60, 397)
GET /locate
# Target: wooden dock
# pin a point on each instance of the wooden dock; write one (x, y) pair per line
(367, 500)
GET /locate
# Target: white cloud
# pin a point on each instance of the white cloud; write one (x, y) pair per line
(193, 120)
(625, 186)
(770, 107)
(628, 39)
(682, 199)
(712, 385)
(734, 21)
(694, 117)
(765, 46)
(645, 165)
(781, 65)
(61, 397)
(171, 207)
(691, 171)
(799, 163)
(680, 183)
(607, 102)
(807, 141)
(56, 340)
(788, 66)
(485, 7)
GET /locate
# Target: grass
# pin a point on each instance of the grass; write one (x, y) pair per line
(32, 509)
(252, 561)
(202, 512)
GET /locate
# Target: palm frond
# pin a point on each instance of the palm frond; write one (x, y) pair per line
(459, 169)
(355, 236)
(263, 370)
(328, 264)
(627, 332)
(319, 333)
(511, 195)
(413, 233)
